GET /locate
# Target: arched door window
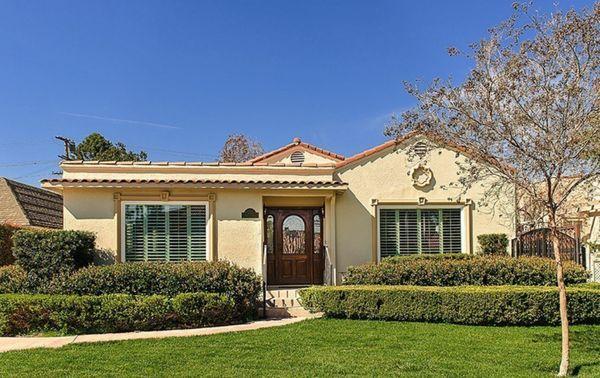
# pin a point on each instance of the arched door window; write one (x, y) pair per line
(294, 235)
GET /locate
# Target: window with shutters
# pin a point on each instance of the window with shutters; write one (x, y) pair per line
(165, 232)
(406, 231)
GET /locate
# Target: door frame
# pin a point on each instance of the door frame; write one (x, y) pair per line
(316, 261)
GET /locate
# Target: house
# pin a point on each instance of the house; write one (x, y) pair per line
(27, 206)
(298, 215)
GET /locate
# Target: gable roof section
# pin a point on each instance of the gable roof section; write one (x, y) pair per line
(297, 143)
(40, 207)
(465, 150)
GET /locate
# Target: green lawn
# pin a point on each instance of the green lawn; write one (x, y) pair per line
(325, 347)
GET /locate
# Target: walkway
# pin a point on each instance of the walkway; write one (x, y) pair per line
(17, 343)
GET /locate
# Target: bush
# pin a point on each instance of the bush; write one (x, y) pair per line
(472, 270)
(240, 284)
(12, 279)
(498, 305)
(22, 314)
(6, 232)
(493, 244)
(45, 255)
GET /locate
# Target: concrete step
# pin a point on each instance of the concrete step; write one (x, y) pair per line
(282, 293)
(286, 312)
(283, 302)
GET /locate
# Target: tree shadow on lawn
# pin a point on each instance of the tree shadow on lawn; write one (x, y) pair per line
(583, 340)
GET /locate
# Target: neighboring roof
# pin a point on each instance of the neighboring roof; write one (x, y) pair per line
(467, 151)
(207, 183)
(40, 207)
(295, 143)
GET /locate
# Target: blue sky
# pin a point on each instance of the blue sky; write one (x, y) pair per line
(176, 77)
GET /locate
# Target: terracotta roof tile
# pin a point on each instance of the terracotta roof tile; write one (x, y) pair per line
(297, 142)
(311, 183)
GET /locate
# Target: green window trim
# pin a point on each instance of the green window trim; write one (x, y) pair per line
(405, 231)
(165, 231)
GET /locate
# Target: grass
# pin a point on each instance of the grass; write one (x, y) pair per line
(325, 347)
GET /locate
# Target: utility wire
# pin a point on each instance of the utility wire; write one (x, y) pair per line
(26, 163)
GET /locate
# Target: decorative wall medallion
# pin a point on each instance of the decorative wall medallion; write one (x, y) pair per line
(421, 176)
(249, 213)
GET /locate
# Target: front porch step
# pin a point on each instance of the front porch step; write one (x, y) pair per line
(283, 302)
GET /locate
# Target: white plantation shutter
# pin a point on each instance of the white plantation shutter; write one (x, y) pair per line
(165, 232)
(413, 231)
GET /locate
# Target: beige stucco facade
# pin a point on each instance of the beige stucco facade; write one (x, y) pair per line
(351, 192)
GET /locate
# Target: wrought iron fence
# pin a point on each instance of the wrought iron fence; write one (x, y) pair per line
(538, 242)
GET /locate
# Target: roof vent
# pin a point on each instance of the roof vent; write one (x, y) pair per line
(297, 157)
(420, 149)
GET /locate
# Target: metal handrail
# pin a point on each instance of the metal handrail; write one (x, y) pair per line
(264, 280)
(330, 265)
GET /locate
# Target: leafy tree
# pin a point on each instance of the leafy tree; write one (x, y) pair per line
(239, 148)
(97, 147)
(530, 105)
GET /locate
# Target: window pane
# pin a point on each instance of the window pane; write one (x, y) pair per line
(411, 231)
(270, 230)
(165, 232)
(317, 238)
(452, 230)
(294, 235)
(430, 231)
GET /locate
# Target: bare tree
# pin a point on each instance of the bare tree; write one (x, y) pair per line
(239, 148)
(530, 106)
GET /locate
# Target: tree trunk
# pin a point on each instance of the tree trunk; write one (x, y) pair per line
(562, 295)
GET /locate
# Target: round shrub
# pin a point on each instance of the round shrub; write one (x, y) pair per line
(493, 244)
(12, 279)
(45, 255)
(6, 232)
(240, 284)
(452, 270)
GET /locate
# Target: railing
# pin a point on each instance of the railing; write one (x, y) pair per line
(264, 279)
(328, 265)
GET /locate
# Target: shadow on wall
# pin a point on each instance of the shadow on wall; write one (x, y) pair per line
(104, 256)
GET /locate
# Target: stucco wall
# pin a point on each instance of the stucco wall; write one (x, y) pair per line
(384, 177)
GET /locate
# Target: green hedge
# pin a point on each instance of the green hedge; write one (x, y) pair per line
(12, 279)
(22, 314)
(6, 233)
(492, 305)
(45, 254)
(240, 284)
(493, 244)
(456, 270)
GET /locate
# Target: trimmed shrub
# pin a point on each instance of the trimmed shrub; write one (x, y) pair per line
(471, 270)
(493, 244)
(6, 232)
(22, 314)
(45, 255)
(12, 279)
(240, 284)
(497, 305)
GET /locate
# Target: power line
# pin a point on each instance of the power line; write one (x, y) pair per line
(26, 163)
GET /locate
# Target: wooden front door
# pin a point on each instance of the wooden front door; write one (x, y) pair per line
(294, 246)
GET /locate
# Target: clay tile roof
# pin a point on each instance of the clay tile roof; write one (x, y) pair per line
(41, 207)
(466, 150)
(297, 142)
(310, 183)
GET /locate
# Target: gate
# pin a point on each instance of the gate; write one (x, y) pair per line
(538, 242)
